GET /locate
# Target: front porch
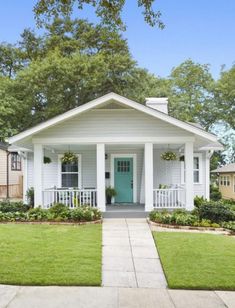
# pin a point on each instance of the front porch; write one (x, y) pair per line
(97, 168)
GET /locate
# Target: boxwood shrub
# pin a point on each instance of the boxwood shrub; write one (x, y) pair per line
(216, 211)
(10, 207)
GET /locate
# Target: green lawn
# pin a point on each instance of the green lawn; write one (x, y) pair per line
(50, 254)
(197, 261)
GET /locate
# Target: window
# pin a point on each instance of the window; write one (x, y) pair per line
(196, 169)
(123, 166)
(15, 162)
(69, 174)
(225, 180)
(197, 165)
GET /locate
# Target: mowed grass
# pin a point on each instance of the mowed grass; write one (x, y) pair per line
(197, 261)
(50, 254)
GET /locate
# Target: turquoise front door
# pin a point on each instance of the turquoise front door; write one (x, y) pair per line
(123, 179)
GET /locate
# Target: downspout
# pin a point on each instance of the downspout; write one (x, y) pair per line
(8, 154)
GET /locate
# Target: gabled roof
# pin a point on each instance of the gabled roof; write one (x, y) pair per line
(123, 100)
(225, 169)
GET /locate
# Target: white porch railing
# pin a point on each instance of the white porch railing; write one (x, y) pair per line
(69, 197)
(169, 198)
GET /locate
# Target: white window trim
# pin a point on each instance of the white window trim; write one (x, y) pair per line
(234, 183)
(199, 155)
(79, 170)
(112, 156)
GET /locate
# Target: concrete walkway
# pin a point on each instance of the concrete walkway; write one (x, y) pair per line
(129, 255)
(88, 297)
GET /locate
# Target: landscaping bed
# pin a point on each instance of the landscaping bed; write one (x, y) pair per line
(50, 254)
(18, 212)
(212, 215)
(197, 261)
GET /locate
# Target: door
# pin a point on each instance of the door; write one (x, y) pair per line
(123, 179)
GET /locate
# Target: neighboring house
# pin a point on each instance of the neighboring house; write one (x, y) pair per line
(226, 181)
(11, 173)
(118, 143)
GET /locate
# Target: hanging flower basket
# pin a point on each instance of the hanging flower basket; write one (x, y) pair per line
(46, 160)
(69, 157)
(169, 156)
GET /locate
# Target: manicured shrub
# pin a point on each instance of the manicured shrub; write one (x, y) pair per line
(229, 225)
(198, 201)
(215, 211)
(37, 214)
(7, 206)
(57, 212)
(215, 194)
(185, 219)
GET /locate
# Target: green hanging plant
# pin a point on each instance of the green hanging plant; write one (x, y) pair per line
(69, 157)
(169, 155)
(46, 160)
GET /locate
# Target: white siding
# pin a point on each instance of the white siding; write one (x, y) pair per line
(112, 123)
(165, 172)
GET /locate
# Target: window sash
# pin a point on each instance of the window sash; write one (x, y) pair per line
(197, 166)
(65, 170)
(225, 180)
(15, 162)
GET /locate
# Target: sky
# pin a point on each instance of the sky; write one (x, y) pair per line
(203, 30)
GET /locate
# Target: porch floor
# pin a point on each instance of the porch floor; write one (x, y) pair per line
(125, 210)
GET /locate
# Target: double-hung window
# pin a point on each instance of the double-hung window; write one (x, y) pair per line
(15, 162)
(70, 173)
(225, 180)
(197, 169)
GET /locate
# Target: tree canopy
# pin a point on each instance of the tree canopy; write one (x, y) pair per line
(108, 10)
(75, 61)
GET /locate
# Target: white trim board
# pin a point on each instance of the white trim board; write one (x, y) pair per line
(112, 156)
(123, 100)
(114, 140)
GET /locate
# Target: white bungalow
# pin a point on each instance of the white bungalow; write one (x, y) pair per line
(118, 143)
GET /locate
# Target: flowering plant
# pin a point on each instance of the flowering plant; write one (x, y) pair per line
(169, 156)
(69, 157)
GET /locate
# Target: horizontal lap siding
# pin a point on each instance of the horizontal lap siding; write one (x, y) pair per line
(165, 172)
(50, 171)
(108, 123)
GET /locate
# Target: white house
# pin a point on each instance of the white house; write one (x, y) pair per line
(118, 143)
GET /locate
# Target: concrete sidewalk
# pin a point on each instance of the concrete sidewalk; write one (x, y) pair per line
(129, 255)
(88, 297)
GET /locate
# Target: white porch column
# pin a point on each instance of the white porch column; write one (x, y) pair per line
(188, 154)
(37, 174)
(100, 165)
(25, 178)
(148, 167)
